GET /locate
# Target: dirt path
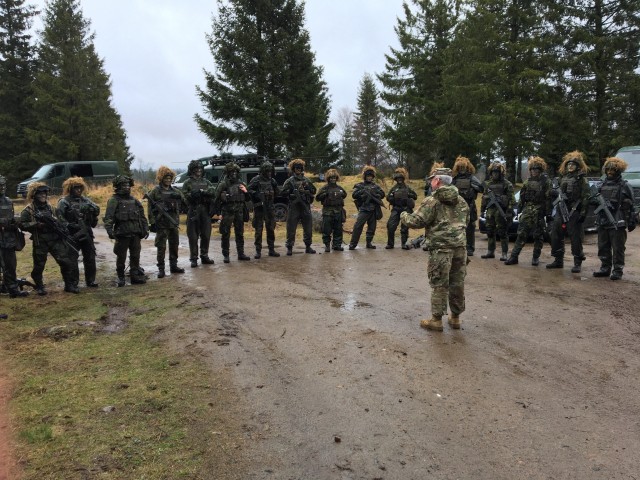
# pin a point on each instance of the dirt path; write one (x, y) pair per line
(332, 378)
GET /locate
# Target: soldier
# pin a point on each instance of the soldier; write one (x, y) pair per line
(264, 189)
(9, 242)
(199, 193)
(445, 215)
(497, 203)
(402, 198)
(49, 235)
(232, 194)
(300, 191)
(125, 222)
(332, 198)
(573, 192)
(616, 215)
(82, 216)
(468, 187)
(533, 207)
(368, 198)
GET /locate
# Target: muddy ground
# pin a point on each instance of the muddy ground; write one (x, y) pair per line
(327, 374)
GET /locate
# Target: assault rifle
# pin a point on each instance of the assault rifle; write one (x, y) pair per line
(377, 200)
(159, 208)
(494, 201)
(297, 192)
(606, 206)
(560, 203)
(58, 228)
(417, 242)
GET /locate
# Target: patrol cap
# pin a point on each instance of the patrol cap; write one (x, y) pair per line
(440, 171)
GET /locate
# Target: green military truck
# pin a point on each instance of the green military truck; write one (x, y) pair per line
(54, 174)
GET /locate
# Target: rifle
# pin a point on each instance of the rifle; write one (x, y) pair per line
(417, 242)
(560, 203)
(374, 199)
(494, 201)
(161, 210)
(297, 193)
(606, 206)
(58, 228)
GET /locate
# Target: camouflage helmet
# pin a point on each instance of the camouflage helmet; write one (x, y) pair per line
(266, 167)
(72, 182)
(122, 181)
(332, 172)
(231, 167)
(36, 187)
(368, 170)
(537, 163)
(164, 172)
(400, 173)
(499, 166)
(615, 163)
(576, 157)
(296, 162)
(3, 180)
(193, 166)
(463, 164)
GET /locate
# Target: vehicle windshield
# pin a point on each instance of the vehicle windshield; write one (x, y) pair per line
(632, 157)
(42, 172)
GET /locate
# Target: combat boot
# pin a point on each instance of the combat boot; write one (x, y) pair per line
(289, 251)
(512, 260)
(371, 245)
(120, 282)
(258, 254)
(161, 273)
(616, 274)
(309, 249)
(489, 254)
(194, 262)
(535, 261)
(40, 290)
(433, 323)
(406, 247)
(577, 265)
(504, 256)
(16, 292)
(273, 253)
(226, 259)
(176, 269)
(71, 288)
(339, 248)
(206, 260)
(454, 322)
(92, 284)
(327, 248)
(558, 262)
(352, 247)
(243, 257)
(388, 246)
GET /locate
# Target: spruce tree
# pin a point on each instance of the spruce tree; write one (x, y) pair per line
(266, 93)
(367, 125)
(17, 67)
(75, 116)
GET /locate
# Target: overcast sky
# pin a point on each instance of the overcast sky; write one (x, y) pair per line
(155, 52)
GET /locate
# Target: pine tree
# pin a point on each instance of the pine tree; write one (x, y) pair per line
(75, 116)
(17, 67)
(367, 125)
(266, 94)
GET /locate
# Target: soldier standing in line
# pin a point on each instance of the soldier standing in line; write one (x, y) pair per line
(263, 189)
(445, 215)
(573, 191)
(199, 193)
(49, 235)
(616, 215)
(164, 219)
(8, 243)
(533, 207)
(368, 198)
(125, 222)
(332, 196)
(232, 194)
(497, 203)
(82, 216)
(300, 191)
(468, 187)
(402, 198)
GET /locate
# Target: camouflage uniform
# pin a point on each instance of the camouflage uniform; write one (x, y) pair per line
(497, 225)
(300, 191)
(574, 187)
(198, 193)
(232, 194)
(402, 198)
(368, 198)
(332, 196)
(46, 240)
(468, 187)
(125, 222)
(445, 215)
(264, 189)
(533, 207)
(8, 242)
(617, 196)
(82, 216)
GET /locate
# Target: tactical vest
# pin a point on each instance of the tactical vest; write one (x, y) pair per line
(535, 192)
(572, 187)
(171, 205)
(6, 211)
(127, 210)
(266, 188)
(234, 194)
(610, 191)
(463, 184)
(333, 198)
(198, 184)
(500, 189)
(298, 184)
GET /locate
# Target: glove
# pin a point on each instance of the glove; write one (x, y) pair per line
(110, 233)
(631, 228)
(223, 196)
(581, 219)
(152, 228)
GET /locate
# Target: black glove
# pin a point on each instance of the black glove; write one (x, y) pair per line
(152, 228)
(631, 228)
(581, 219)
(111, 235)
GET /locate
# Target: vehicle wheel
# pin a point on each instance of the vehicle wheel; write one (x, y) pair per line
(280, 210)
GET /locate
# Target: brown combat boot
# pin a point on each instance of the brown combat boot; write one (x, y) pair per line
(433, 323)
(454, 322)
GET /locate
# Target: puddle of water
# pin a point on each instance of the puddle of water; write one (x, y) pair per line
(349, 304)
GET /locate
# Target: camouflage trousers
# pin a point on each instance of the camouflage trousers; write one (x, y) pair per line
(170, 235)
(264, 219)
(497, 226)
(298, 213)
(120, 248)
(332, 224)
(573, 230)
(66, 258)
(611, 248)
(447, 270)
(9, 265)
(368, 218)
(198, 228)
(232, 215)
(392, 226)
(88, 249)
(531, 224)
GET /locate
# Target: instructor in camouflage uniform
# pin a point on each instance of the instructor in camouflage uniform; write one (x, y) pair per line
(368, 198)
(533, 207)
(82, 216)
(300, 191)
(125, 222)
(198, 193)
(444, 215)
(574, 192)
(8, 243)
(402, 198)
(498, 192)
(615, 196)
(263, 189)
(468, 187)
(332, 196)
(232, 194)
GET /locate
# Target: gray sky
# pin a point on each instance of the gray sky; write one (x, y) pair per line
(155, 52)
